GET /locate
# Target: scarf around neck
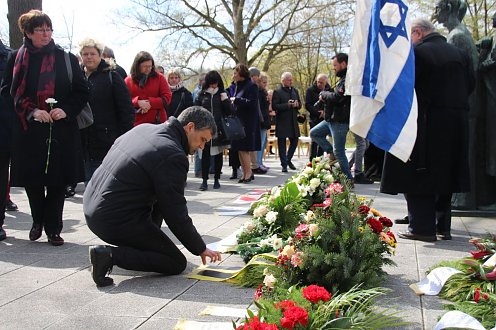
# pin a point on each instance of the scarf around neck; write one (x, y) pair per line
(25, 105)
(176, 87)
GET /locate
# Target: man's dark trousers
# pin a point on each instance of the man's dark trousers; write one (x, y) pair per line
(429, 213)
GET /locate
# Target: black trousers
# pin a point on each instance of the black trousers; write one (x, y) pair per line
(4, 183)
(47, 205)
(218, 161)
(429, 213)
(286, 155)
(234, 159)
(141, 245)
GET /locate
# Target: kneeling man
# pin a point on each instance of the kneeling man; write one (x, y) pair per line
(140, 183)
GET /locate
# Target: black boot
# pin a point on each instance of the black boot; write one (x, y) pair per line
(101, 264)
(216, 184)
(204, 185)
(234, 175)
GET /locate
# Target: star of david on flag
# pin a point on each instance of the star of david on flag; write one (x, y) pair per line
(381, 77)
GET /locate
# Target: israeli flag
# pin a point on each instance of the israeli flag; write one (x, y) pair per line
(381, 77)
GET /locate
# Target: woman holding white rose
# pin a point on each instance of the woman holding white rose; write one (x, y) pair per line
(46, 153)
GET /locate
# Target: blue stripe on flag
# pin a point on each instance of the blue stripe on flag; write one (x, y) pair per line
(373, 57)
(389, 122)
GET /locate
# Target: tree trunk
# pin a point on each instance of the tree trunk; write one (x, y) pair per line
(17, 8)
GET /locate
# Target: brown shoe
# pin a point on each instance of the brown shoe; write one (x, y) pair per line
(55, 239)
(35, 232)
(416, 237)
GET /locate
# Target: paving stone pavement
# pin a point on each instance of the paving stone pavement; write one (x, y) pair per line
(46, 287)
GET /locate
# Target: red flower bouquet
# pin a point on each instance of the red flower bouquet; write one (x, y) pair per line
(315, 293)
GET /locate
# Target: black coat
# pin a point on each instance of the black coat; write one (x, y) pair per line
(246, 108)
(444, 79)
(337, 104)
(219, 109)
(113, 111)
(286, 117)
(181, 99)
(311, 97)
(29, 150)
(146, 166)
(6, 111)
(264, 108)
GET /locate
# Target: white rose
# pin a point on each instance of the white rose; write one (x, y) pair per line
(271, 217)
(269, 281)
(308, 170)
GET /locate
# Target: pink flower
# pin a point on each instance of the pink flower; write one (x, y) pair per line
(301, 231)
(334, 188)
(297, 259)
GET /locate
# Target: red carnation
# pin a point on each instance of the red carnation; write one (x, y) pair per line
(477, 295)
(315, 293)
(375, 224)
(284, 305)
(255, 324)
(386, 221)
(363, 209)
(293, 316)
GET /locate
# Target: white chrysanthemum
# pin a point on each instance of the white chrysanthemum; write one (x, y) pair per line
(271, 217)
(270, 281)
(308, 170)
(260, 211)
(314, 183)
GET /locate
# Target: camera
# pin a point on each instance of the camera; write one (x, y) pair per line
(319, 105)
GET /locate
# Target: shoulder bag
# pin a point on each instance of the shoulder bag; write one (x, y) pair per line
(85, 117)
(233, 128)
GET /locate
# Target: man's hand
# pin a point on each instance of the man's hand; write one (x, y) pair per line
(214, 256)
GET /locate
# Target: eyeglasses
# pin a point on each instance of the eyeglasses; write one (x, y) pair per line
(39, 30)
(146, 66)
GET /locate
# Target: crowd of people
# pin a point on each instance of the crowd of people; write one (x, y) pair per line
(44, 89)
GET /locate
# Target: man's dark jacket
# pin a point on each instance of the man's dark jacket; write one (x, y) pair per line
(337, 104)
(146, 166)
(286, 117)
(311, 97)
(444, 79)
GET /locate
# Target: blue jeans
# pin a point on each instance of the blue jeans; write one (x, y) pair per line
(198, 163)
(263, 136)
(284, 156)
(361, 146)
(319, 135)
(339, 132)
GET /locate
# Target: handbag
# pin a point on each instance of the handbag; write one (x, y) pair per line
(85, 117)
(233, 128)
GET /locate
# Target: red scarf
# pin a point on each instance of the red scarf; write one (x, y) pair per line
(25, 105)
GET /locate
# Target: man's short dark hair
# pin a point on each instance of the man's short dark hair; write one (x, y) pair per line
(201, 117)
(341, 57)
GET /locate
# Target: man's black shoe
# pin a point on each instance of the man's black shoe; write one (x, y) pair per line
(361, 179)
(35, 232)
(204, 185)
(291, 166)
(284, 169)
(55, 239)
(444, 236)
(234, 175)
(403, 221)
(101, 264)
(3, 234)
(10, 206)
(259, 170)
(409, 235)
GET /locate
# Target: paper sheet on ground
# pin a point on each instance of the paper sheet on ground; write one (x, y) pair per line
(225, 311)
(195, 325)
(227, 244)
(434, 282)
(459, 320)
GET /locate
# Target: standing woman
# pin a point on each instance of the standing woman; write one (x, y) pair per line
(244, 97)
(181, 97)
(110, 102)
(47, 146)
(149, 90)
(214, 98)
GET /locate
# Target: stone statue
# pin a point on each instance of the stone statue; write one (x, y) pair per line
(482, 137)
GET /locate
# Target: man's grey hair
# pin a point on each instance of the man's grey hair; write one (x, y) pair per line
(286, 75)
(424, 24)
(322, 75)
(201, 117)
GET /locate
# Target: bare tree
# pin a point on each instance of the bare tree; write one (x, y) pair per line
(17, 8)
(244, 31)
